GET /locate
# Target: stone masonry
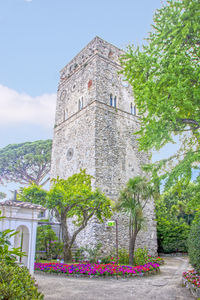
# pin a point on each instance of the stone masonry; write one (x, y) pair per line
(94, 125)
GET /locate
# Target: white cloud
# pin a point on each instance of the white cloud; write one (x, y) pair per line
(18, 108)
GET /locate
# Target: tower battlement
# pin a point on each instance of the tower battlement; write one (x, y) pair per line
(96, 47)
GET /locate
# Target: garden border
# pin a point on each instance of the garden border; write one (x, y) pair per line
(150, 273)
(194, 290)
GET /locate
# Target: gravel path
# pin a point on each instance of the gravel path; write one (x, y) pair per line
(166, 285)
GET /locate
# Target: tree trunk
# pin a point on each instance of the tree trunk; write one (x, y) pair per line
(132, 240)
(67, 254)
(66, 240)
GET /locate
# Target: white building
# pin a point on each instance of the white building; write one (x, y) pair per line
(22, 217)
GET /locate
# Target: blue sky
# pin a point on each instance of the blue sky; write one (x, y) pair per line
(39, 37)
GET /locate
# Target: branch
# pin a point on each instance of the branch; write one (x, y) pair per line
(68, 208)
(190, 121)
(57, 214)
(143, 206)
(84, 223)
(43, 183)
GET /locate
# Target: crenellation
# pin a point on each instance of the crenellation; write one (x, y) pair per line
(96, 47)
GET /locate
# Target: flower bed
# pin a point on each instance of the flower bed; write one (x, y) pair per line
(159, 260)
(191, 279)
(96, 269)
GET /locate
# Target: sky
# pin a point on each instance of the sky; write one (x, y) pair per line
(39, 37)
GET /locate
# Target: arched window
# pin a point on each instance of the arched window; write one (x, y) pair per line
(131, 108)
(111, 100)
(115, 101)
(80, 103)
(65, 114)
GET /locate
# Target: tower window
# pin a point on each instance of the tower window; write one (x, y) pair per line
(80, 103)
(133, 109)
(111, 100)
(65, 114)
(115, 102)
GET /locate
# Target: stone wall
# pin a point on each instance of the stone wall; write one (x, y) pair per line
(98, 136)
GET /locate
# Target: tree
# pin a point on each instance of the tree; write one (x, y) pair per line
(47, 242)
(194, 199)
(176, 209)
(26, 162)
(194, 245)
(34, 194)
(132, 201)
(182, 202)
(73, 198)
(164, 75)
(172, 231)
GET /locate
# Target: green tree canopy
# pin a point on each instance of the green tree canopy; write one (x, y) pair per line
(194, 245)
(165, 76)
(176, 210)
(71, 198)
(26, 162)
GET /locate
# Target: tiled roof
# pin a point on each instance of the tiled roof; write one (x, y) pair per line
(22, 204)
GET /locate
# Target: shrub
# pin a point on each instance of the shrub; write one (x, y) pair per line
(194, 245)
(141, 256)
(93, 253)
(79, 254)
(16, 283)
(110, 258)
(123, 256)
(47, 244)
(172, 235)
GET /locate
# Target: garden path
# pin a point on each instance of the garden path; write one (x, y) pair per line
(164, 286)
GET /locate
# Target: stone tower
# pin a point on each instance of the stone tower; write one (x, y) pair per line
(94, 125)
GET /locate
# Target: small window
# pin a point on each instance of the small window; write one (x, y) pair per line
(70, 153)
(65, 114)
(73, 87)
(41, 214)
(80, 103)
(131, 108)
(115, 101)
(111, 100)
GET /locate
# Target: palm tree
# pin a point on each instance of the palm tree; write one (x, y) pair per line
(132, 201)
